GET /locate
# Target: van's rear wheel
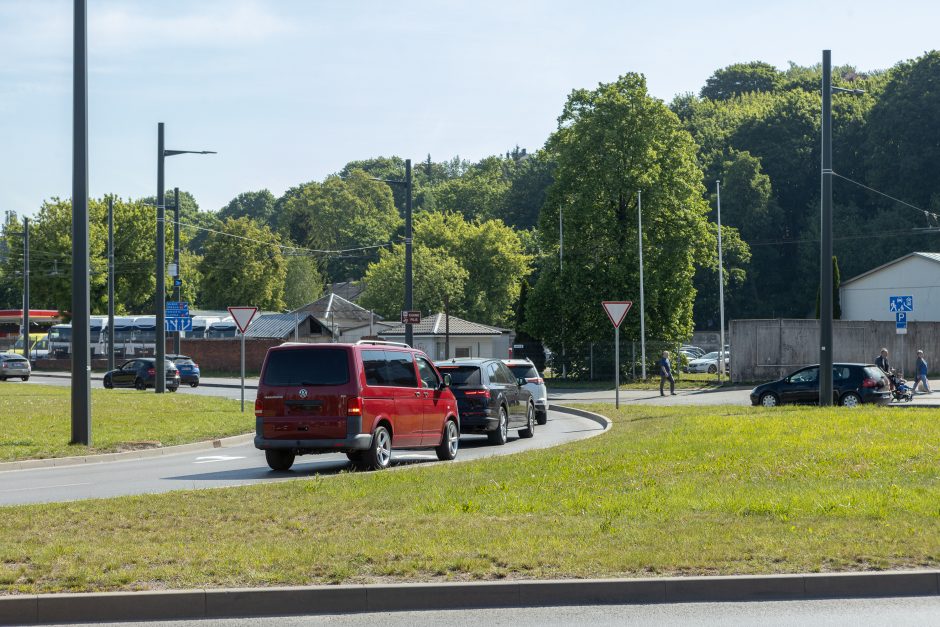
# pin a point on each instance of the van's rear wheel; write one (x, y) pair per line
(379, 455)
(279, 459)
(447, 449)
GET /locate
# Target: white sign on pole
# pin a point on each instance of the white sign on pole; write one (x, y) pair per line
(616, 311)
(243, 317)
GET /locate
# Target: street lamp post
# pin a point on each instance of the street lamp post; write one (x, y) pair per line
(160, 298)
(26, 287)
(721, 289)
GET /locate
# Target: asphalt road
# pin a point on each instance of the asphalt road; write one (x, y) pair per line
(897, 612)
(241, 465)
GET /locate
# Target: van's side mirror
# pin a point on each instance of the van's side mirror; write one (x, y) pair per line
(446, 382)
(521, 382)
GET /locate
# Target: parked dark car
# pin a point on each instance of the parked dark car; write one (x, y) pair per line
(140, 373)
(852, 385)
(189, 369)
(490, 398)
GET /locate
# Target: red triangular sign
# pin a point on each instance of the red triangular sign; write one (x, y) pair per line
(616, 310)
(242, 316)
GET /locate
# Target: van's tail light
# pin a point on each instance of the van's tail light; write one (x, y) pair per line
(484, 393)
(354, 406)
(868, 382)
(259, 407)
(151, 372)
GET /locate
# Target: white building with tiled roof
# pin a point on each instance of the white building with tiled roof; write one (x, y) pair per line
(866, 296)
(467, 339)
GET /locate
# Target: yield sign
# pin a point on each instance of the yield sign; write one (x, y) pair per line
(242, 316)
(616, 310)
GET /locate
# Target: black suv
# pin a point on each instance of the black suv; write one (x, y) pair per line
(852, 385)
(140, 373)
(490, 398)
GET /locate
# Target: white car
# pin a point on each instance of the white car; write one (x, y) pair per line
(709, 363)
(525, 369)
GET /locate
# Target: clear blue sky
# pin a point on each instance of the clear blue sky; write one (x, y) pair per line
(290, 90)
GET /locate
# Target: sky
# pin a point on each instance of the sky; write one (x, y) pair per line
(289, 91)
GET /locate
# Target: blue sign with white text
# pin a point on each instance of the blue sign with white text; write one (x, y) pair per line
(900, 303)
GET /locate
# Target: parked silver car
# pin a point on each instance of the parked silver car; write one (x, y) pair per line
(13, 365)
(525, 369)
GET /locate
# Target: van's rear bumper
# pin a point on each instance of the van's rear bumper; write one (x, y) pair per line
(354, 441)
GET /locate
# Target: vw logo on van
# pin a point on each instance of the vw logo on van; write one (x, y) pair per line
(302, 393)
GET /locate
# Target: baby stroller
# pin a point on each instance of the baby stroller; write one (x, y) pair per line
(900, 390)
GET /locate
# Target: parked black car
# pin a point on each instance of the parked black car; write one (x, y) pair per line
(490, 398)
(189, 369)
(140, 373)
(852, 385)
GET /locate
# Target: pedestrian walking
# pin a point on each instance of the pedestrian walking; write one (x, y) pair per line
(882, 361)
(665, 373)
(920, 373)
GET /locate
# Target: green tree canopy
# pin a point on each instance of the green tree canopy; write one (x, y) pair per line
(741, 78)
(303, 283)
(259, 206)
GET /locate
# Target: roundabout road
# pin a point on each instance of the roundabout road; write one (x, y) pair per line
(242, 465)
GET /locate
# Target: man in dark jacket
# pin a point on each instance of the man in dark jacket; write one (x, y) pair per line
(882, 361)
(665, 372)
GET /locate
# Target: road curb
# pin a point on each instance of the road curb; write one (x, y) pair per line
(347, 599)
(590, 415)
(53, 462)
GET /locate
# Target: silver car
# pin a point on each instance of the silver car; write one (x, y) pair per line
(13, 365)
(525, 369)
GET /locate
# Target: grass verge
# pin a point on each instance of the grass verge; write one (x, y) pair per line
(35, 423)
(668, 491)
(684, 381)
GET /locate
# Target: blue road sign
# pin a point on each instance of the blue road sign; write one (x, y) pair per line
(177, 282)
(901, 318)
(900, 303)
(174, 324)
(177, 309)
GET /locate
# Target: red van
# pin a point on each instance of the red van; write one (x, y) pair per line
(360, 399)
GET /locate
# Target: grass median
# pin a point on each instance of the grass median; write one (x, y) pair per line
(35, 420)
(667, 491)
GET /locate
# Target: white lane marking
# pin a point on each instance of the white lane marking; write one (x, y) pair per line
(217, 458)
(46, 487)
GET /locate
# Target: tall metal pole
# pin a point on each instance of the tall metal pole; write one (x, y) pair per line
(561, 269)
(825, 249)
(243, 371)
(176, 259)
(111, 283)
(159, 301)
(639, 221)
(409, 302)
(81, 297)
(26, 345)
(721, 289)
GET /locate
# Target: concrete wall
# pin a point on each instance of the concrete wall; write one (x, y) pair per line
(867, 298)
(763, 350)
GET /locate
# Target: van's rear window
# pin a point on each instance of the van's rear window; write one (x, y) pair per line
(322, 366)
(463, 376)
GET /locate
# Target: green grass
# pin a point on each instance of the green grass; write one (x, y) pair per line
(35, 420)
(668, 491)
(684, 381)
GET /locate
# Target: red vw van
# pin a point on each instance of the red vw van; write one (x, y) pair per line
(361, 399)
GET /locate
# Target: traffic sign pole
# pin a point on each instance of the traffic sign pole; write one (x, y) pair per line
(616, 311)
(243, 372)
(617, 367)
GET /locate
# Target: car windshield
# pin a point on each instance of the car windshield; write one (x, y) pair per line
(524, 371)
(874, 372)
(712, 355)
(463, 376)
(323, 366)
(61, 334)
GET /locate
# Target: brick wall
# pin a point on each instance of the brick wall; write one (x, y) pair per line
(224, 355)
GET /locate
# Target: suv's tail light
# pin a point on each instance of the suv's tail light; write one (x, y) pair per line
(151, 372)
(536, 380)
(354, 406)
(868, 382)
(484, 393)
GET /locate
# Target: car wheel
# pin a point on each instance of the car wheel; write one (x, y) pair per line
(379, 455)
(3, 378)
(139, 384)
(25, 378)
(529, 429)
(541, 417)
(108, 385)
(174, 388)
(279, 459)
(450, 442)
(194, 384)
(851, 399)
(500, 435)
(712, 369)
(769, 399)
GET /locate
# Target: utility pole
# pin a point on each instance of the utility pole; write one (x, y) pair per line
(26, 346)
(721, 290)
(81, 357)
(825, 252)
(639, 222)
(111, 283)
(159, 301)
(561, 270)
(446, 326)
(176, 259)
(409, 302)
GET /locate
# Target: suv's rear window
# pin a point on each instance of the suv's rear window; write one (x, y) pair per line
(523, 371)
(462, 376)
(322, 366)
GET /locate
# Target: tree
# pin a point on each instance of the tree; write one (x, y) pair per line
(303, 283)
(527, 190)
(741, 78)
(243, 265)
(480, 192)
(612, 142)
(259, 206)
(836, 302)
